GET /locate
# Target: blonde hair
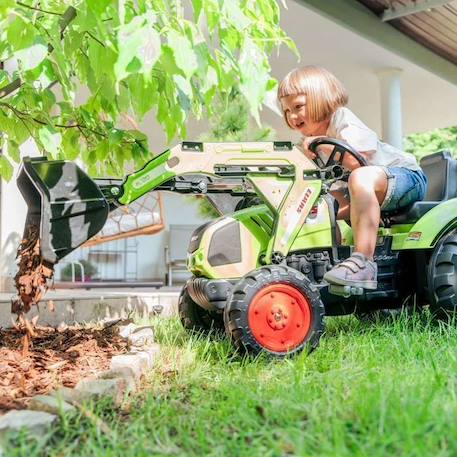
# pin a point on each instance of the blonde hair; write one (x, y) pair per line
(324, 92)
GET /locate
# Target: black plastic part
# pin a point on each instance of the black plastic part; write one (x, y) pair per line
(236, 311)
(282, 145)
(192, 146)
(338, 146)
(64, 202)
(225, 245)
(442, 276)
(195, 318)
(210, 294)
(196, 237)
(247, 202)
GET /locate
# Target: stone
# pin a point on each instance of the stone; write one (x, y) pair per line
(149, 355)
(99, 388)
(126, 330)
(115, 322)
(141, 336)
(130, 361)
(36, 422)
(124, 373)
(68, 395)
(50, 404)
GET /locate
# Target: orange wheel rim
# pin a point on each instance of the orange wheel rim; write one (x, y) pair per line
(279, 317)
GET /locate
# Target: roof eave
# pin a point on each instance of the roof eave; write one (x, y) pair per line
(359, 19)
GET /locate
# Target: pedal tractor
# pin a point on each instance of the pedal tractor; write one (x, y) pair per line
(258, 268)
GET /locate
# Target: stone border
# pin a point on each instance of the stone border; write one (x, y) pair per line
(123, 378)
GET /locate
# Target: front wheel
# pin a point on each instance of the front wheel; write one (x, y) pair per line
(195, 318)
(274, 309)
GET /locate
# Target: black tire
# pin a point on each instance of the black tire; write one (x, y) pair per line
(442, 276)
(238, 324)
(195, 318)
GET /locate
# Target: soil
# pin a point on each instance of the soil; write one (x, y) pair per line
(53, 358)
(33, 274)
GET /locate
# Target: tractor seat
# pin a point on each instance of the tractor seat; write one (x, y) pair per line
(441, 171)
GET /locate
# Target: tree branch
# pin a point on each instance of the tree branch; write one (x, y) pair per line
(11, 87)
(95, 38)
(38, 9)
(24, 115)
(64, 21)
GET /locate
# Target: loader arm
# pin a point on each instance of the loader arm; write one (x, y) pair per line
(277, 170)
(71, 208)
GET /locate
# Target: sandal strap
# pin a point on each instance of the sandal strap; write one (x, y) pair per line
(354, 263)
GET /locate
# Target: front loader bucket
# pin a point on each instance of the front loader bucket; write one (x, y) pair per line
(64, 202)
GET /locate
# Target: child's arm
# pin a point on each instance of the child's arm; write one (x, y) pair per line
(349, 161)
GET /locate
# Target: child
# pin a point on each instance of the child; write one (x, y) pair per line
(313, 101)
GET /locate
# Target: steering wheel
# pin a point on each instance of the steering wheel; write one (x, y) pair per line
(340, 147)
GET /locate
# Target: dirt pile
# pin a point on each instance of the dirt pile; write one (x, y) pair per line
(33, 275)
(55, 358)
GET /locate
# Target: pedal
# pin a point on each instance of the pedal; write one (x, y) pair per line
(345, 291)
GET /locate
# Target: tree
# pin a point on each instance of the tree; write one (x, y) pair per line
(231, 122)
(131, 56)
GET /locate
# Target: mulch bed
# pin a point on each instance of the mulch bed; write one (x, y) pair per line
(54, 358)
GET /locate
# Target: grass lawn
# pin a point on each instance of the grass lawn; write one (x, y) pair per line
(387, 388)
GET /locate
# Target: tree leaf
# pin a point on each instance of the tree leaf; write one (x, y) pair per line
(139, 39)
(50, 139)
(143, 94)
(5, 6)
(13, 151)
(70, 143)
(102, 150)
(234, 13)
(254, 76)
(185, 57)
(20, 33)
(6, 169)
(197, 6)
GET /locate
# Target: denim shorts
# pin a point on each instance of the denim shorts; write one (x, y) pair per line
(404, 187)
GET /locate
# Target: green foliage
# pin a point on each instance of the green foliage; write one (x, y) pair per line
(176, 58)
(231, 122)
(421, 144)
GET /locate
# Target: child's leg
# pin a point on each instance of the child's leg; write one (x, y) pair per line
(367, 187)
(343, 204)
(372, 189)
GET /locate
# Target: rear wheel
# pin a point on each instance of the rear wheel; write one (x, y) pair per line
(274, 309)
(194, 317)
(442, 276)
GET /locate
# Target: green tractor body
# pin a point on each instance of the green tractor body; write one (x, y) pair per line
(258, 269)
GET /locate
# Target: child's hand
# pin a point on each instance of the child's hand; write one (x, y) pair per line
(306, 141)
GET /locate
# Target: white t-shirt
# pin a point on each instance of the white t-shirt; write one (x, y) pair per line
(346, 126)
